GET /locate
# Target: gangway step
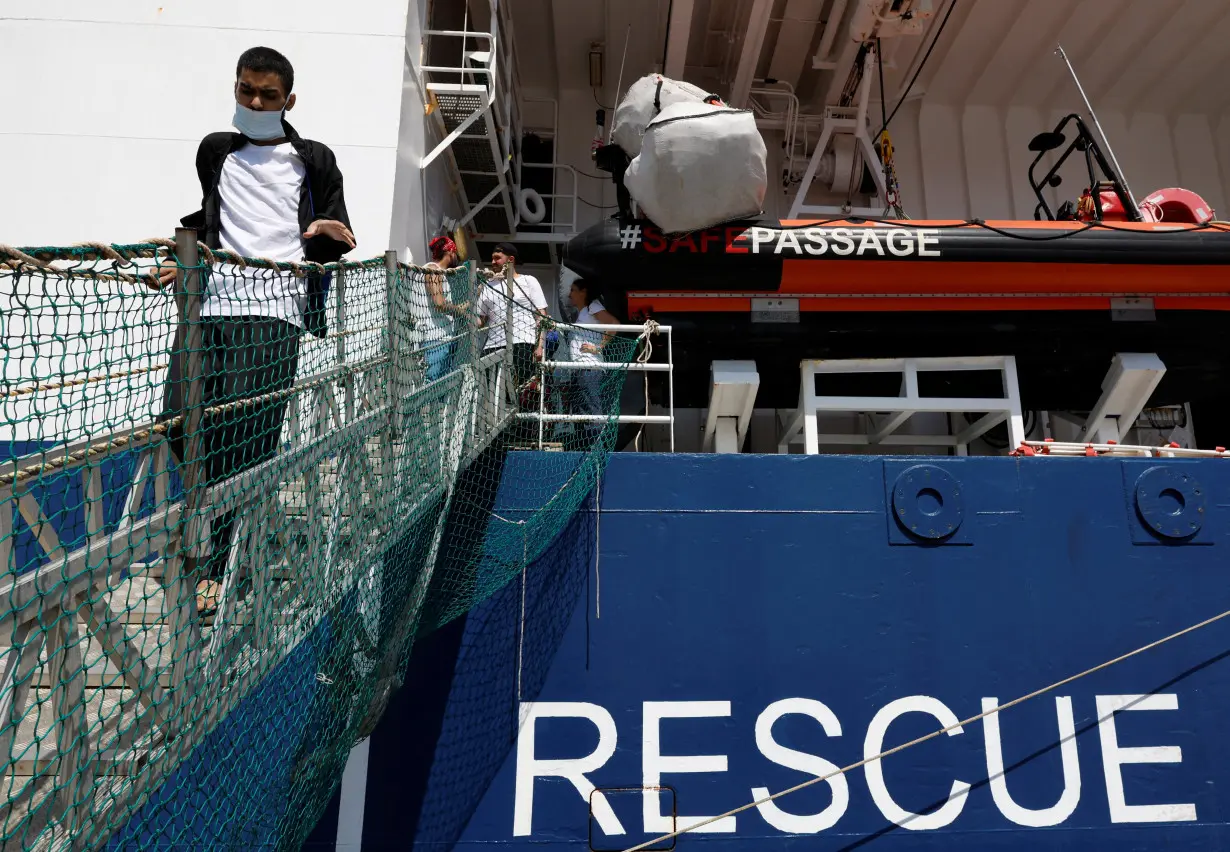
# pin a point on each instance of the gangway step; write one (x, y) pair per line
(478, 152)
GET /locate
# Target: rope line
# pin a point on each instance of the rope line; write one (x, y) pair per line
(124, 255)
(161, 428)
(26, 390)
(1050, 688)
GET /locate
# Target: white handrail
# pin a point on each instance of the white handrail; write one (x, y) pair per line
(491, 90)
(601, 326)
(542, 417)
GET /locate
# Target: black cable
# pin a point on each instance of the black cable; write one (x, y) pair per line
(666, 40)
(883, 115)
(588, 175)
(939, 32)
(596, 206)
(598, 102)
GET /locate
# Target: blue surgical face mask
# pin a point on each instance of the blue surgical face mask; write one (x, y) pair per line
(259, 126)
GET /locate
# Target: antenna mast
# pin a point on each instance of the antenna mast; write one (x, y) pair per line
(1093, 115)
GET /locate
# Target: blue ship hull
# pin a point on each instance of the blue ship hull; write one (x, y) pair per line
(751, 623)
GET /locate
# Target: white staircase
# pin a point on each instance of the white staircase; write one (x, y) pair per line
(477, 109)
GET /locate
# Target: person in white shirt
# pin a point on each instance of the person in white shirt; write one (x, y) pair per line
(583, 393)
(436, 319)
(528, 306)
(267, 193)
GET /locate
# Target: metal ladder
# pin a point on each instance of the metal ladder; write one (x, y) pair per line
(477, 111)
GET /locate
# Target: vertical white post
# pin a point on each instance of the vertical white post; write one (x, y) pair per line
(800, 198)
(1012, 392)
(670, 360)
(807, 404)
(354, 795)
(398, 372)
(542, 401)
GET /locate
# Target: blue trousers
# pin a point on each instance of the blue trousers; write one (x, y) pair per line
(439, 358)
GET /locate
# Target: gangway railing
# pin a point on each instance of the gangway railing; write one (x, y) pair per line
(150, 592)
(574, 368)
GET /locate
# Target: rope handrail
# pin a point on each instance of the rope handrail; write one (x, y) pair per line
(125, 255)
(261, 510)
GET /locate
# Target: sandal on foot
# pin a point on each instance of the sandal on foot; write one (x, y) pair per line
(207, 592)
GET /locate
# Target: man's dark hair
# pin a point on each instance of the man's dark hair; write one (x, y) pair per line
(266, 60)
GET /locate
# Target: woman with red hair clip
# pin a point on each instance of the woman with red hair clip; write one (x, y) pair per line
(435, 317)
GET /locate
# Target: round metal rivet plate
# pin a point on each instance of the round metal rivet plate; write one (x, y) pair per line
(1171, 503)
(927, 502)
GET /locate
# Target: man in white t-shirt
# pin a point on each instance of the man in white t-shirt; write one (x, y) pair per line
(529, 305)
(267, 193)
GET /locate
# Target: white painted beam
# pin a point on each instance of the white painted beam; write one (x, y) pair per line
(677, 42)
(753, 43)
(801, 17)
(836, 14)
(1129, 383)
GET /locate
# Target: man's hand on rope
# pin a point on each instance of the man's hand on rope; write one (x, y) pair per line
(164, 274)
(332, 229)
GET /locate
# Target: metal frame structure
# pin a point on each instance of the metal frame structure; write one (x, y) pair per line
(485, 159)
(1129, 383)
(851, 122)
(732, 399)
(542, 417)
(477, 107)
(805, 422)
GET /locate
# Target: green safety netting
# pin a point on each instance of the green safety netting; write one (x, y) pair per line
(230, 504)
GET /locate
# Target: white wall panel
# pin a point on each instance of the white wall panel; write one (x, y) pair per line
(1222, 146)
(987, 184)
(907, 158)
(1020, 125)
(943, 171)
(271, 16)
(974, 160)
(1196, 158)
(103, 147)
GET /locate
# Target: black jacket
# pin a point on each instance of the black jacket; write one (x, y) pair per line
(322, 198)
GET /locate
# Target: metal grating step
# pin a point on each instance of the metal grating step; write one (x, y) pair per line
(477, 187)
(455, 106)
(474, 155)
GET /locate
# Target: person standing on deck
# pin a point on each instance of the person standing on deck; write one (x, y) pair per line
(266, 193)
(435, 317)
(528, 337)
(583, 394)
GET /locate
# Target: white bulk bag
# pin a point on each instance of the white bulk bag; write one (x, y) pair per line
(643, 102)
(700, 165)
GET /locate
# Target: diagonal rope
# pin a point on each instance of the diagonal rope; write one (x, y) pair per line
(934, 734)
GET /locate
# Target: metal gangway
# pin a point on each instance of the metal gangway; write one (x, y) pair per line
(110, 679)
